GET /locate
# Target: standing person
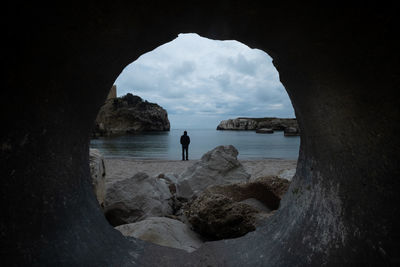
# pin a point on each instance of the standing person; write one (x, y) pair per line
(185, 141)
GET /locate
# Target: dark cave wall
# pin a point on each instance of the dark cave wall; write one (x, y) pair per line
(339, 66)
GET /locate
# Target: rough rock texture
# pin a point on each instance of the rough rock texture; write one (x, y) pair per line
(256, 204)
(130, 114)
(265, 130)
(227, 211)
(218, 166)
(269, 190)
(291, 131)
(338, 65)
(163, 231)
(287, 174)
(98, 174)
(137, 198)
(216, 216)
(257, 123)
(171, 180)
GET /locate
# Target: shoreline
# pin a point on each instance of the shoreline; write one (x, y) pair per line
(119, 168)
(165, 159)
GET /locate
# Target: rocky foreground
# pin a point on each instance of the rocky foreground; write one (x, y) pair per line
(261, 125)
(129, 114)
(214, 198)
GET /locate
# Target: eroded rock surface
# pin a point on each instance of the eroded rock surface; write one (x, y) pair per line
(291, 131)
(287, 174)
(163, 231)
(98, 174)
(130, 114)
(257, 123)
(339, 66)
(216, 216)
(228, 211)
(137, 198)
(268, 190)
(218, 166)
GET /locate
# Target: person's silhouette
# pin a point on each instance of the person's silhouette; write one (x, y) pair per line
(185, 141)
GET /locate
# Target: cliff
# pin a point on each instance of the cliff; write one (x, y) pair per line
(129, 114)
(278, 124)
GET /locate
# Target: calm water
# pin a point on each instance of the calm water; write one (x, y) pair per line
(165, 145)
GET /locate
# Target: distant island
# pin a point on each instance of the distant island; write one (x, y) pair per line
(129, 114)
(262, 125)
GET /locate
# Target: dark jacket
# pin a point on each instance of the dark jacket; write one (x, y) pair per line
(185, 140)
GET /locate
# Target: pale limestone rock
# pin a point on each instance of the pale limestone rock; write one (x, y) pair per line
(163, 231)
(98, 174)
(137, 198)
(276, 124)
(237, 124)
(216, 167)
(291, 131)
(287, 174)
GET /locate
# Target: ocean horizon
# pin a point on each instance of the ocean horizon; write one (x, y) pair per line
(166, 146)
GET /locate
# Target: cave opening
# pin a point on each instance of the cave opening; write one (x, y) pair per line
(223, 93)
(339, 66)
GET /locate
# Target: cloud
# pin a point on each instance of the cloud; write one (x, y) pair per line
(242, 64)
(207, 80)
(184, 69)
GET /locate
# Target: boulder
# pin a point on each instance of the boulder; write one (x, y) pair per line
(256, 204)
(267, 190)
(163, 231)
(265, 131)
(216, 216)
(228, 211)
(98, 174)
(170, 179)
(137, 198)
(287, 174)
(218, 166)
(291, 131)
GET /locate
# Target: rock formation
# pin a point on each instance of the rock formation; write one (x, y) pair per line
(218, 166)
(216, 216)
(163, 231)
(129, 114)
(287, 174)
(340, 69)
(229, 211)
(265, 130)
(277, 124)
(268, 190)
(137, 198)
(98, 174)
(291, 131)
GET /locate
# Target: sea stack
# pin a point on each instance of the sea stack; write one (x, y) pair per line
(129, 114)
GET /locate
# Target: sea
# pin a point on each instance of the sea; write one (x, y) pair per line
(166, 145)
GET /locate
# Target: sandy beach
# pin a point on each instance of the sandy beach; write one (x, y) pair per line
(122, 168)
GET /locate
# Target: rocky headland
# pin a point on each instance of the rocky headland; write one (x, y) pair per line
(262, 125)
(129, 114)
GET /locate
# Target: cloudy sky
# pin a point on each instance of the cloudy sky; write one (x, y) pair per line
(201, 82)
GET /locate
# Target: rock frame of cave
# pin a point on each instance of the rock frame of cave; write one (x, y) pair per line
(339, 67)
